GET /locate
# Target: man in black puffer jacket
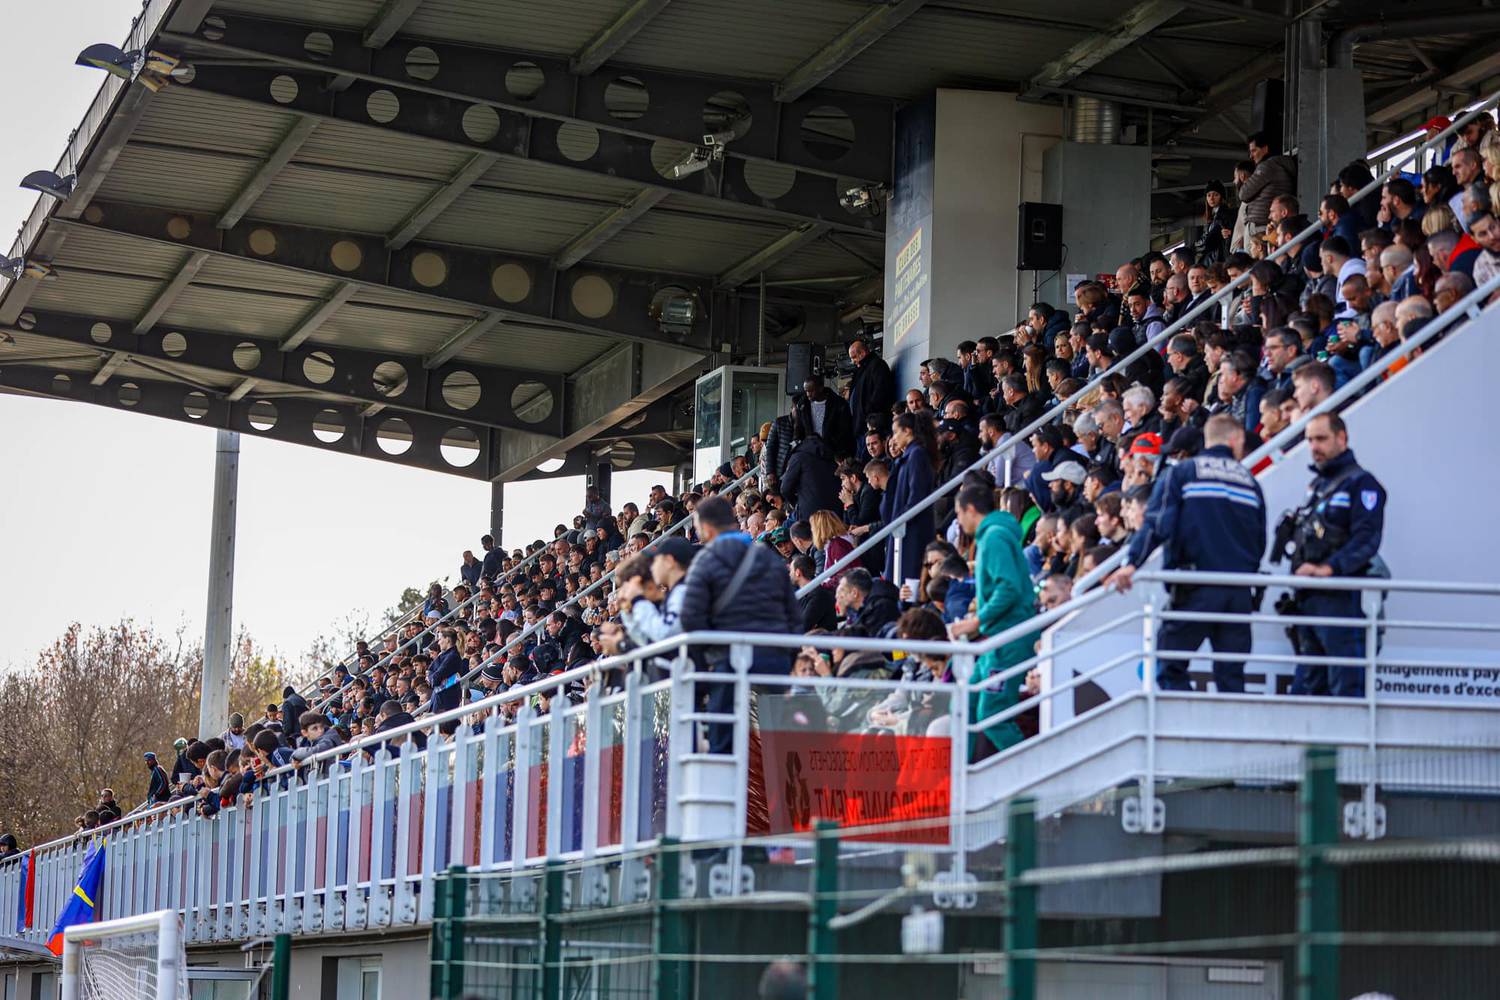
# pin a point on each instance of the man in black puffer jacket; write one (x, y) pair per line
(811, 483)
(735, 585)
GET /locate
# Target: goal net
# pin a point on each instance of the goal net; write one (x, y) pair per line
(131, 958)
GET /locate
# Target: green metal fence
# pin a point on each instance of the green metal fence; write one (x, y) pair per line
(1280, 902)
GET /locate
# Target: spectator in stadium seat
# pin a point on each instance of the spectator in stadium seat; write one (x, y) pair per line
(1398, 266)
(871, 392)
(1450, 288)
(1338, 220)
(1047, 445)
(1312, 383)
(1240, 389)
(1398, 202)
(1004, 598)
(911, 481)
(831, 536)
(493, 557)
(810, 483)
(1282, 348)
(1066, 484)
(867, 605)
(1218, 225)
(735, 585)
(447, 668)
(1275, 174)
(825, 414)
(1485, 229)
(471, 568)
(816, 607)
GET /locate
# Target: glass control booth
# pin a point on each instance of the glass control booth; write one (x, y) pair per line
(729, 405)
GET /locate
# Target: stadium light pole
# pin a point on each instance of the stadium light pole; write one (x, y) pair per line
(213, 704)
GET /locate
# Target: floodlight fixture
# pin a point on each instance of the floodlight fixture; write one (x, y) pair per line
(113, 60)
(865, 199)
(696, 159)
(153, 69)
(676, 309)
(49, 182)
(16, 268)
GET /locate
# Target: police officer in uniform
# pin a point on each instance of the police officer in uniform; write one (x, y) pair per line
(1335, 533)
(1209, 513)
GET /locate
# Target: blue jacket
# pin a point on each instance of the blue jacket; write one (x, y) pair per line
(1058, 324)
(444, 676)
(1210, 514)
(1357, 506)
(911, 482)
(764, 602)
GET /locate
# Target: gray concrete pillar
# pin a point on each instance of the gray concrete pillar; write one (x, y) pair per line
(497, 511)
(213, 706)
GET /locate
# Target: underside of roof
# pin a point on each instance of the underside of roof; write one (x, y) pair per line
(475, 234)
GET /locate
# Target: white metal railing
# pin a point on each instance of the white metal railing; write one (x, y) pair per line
(349, 841)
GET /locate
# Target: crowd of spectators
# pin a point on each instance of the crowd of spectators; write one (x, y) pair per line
(846, 460)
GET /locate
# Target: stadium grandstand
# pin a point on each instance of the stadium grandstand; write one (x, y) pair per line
(1054, 586)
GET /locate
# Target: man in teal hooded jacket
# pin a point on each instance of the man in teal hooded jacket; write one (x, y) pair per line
(1005, 598)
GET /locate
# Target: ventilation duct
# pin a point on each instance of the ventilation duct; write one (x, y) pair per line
(1095, 121)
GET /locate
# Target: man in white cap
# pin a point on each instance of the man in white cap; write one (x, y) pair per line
(1066, 483)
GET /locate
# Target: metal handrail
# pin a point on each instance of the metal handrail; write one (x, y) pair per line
(1056, 411)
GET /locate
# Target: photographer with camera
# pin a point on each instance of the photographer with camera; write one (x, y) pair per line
(1336, 532)
(1209, 513)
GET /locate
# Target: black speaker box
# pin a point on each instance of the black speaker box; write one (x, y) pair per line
(1266, 108)
(799, 365)
(1040, 246)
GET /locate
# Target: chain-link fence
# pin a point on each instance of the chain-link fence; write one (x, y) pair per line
(1266, 884)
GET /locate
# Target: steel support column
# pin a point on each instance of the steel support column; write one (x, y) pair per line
(213, 706)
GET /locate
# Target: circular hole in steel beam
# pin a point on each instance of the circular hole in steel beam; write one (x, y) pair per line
(769, 180)
(577, 141)
(328, 426)
(524, 80)
(390, 378)
(422, 63)
(382, 106)
(195, 405)
(284, 89)
(481, 123)
(129, 394)
(428, 269)
(262, 415)
(461, 389)
(246, 357)
(262, 242)
(213, 28)
(552, 465)
(346, 255)
(459, 447)
(100, 333)
(318, 45)
(318, 368)
(394, 436)
(179, 228)
(827, 132)
(532, 402)
(511, 283)
(727, 113)
(622, 454)
(626, 98)
(593, 296)
(62, 384)
(174, 345)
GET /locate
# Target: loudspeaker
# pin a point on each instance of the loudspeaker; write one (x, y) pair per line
(799, 365)
(1267, 104)
(1040, 247)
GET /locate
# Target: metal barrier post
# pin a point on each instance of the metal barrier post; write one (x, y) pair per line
(1149, 667)
(1020, 901)
(1371, 599)
(1317, 880)
(281, 967)
(671, 932)
(439, 945)
(456, 905)
(552, 928)
(822, 945)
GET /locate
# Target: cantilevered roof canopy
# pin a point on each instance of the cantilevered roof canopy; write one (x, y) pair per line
(474, 234)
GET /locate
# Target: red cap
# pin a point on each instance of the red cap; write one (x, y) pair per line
(1146, 444)
(1438, 122)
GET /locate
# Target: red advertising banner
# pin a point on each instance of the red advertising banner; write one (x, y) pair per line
(858, 779)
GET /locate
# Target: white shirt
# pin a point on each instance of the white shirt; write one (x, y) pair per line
(819, 411)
